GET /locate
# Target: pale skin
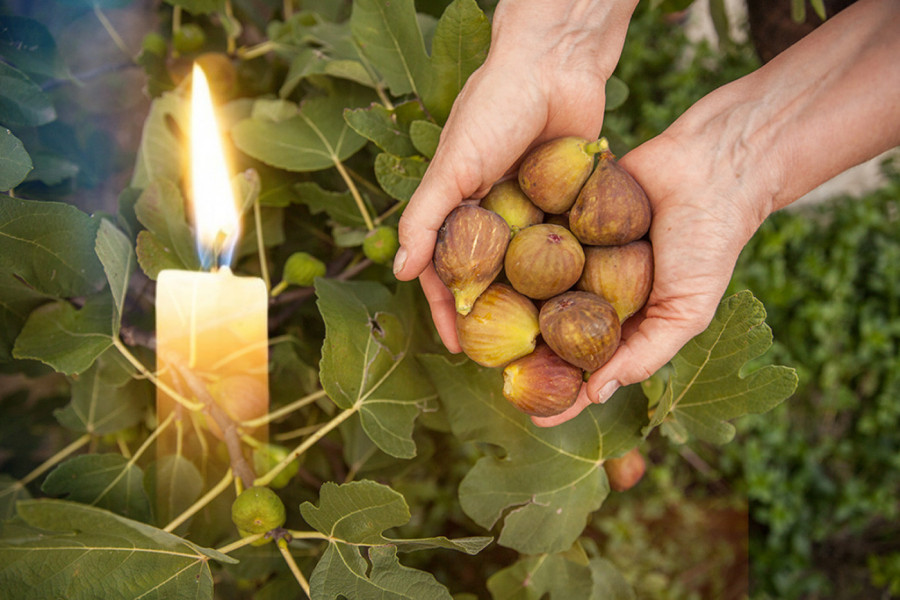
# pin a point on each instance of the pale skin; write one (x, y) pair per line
(829, 102)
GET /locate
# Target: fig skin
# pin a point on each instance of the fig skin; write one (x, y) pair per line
(581, 327)
(509, 201)
(623, 275)
(626, 471)
(541, 384)
(469, 251)
(612, 208)
(552, 174)
(543, 261)
(501, 327)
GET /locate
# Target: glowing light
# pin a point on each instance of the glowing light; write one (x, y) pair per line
(216, 216)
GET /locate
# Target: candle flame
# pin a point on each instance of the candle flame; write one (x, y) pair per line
(216, 217)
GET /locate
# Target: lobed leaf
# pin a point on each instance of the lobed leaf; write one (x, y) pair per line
(398, 176)
(339, 206)
(159, 156)
(550, 479)
(116, 254)
(23, 102)
(108, 481)
(386, 127)
(174, 484)
(168, 242)
(15, 162)
(425, 136)
(62, 549)
(367, 362)
(11, 491)
(708, 386)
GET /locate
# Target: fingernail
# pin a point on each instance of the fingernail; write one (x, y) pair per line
(607, 391)
(399, 260)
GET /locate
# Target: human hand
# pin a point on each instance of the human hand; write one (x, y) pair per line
(527, 92)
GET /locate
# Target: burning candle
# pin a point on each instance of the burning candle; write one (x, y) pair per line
(211, 326)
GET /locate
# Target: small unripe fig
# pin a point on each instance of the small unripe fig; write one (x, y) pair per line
(267, 457)
(543, 261)
(612, 208)
(624, 472)
(381, 244)
(541, 383)
(553, 173)
(258, 510)
(623, 275)
(501, 327)
(190, 37)
(469, 251)
(302, 268)
(582, 328)
(507, 200)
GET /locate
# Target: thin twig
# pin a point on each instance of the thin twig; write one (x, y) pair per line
(292, 565)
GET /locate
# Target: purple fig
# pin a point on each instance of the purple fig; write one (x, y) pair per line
(623, 275)
(501, 327)
(581, 327)
(468, 253)
(543, 261)
(541, 384)
(626, 471)
(552, 174)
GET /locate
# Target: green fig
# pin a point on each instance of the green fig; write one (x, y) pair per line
(552, 174)
(302, 268)
(623, 275)
(501, 327)
(582, 328)
(612, 208)
(469, 252)
(381, 244)
(258, 510)
(507, 200)
(625, 471)
(541, 384)
(543, 261)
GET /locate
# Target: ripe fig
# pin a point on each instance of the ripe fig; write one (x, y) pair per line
(581, 327)
(541, 384)
(553, 173)
(543, 261)
(507, 200)
(612, 208)
(623, 275)
(469, 252)
(625, 472)
(501, 327)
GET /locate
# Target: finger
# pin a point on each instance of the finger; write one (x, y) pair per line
(581, 402)
(443, 308)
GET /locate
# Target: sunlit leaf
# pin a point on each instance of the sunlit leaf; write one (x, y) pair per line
(23, 102)
(161, 209)
(399, 177)
(357, 514)
(163, 141)
(367, 362)
(389, 35)
(460, 44)
(26, 44)
(15, 163)
(115, 252)
(50, 245)
(107, 481)
(82, 552)
(425, 136)
(550, 479)
(67, 338)
(708, 387)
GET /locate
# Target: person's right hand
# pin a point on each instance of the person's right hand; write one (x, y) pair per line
(544, 77)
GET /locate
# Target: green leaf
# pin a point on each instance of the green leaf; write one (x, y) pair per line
(15, 163)
(29, 46)
(199, 7)
(399, 177)
(108, 481)
(160, 209)
(174, 484)
(115, 252)
(81, 552)
(460, 45)
(52, 169)
(11, 491)
(561, 577)
(382, 126)
(163, 139)
(389, 36)
(154, 256)
(66, 338)
(708, 386)
(358, 513)
(425, 136)
(340, 206)
(49, 245)
(105, 398)
(17, 300)
(616, 93)
(550, 479)
(367, 362)
(23, 102)
(315, 139)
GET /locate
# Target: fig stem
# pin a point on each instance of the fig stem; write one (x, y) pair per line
(292, 565)
(601, 145)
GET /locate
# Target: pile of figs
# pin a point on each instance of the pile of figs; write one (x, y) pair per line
(545, 270)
